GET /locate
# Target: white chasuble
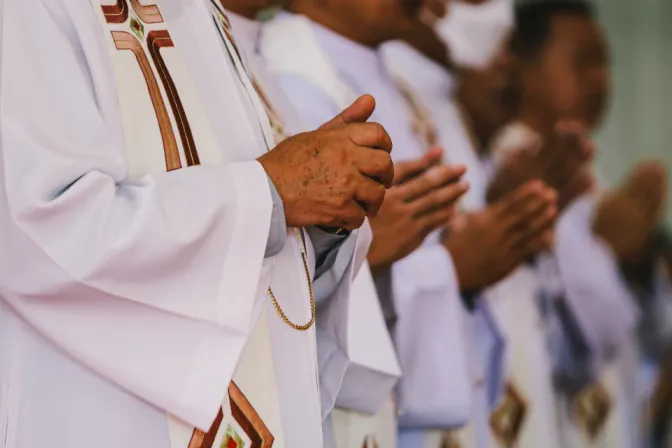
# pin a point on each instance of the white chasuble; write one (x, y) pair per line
(274, 389)
(145, 331)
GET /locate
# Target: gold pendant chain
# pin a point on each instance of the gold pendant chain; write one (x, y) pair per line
(227, 36)
(277, 307)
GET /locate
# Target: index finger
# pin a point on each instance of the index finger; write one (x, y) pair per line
(370, 135)
(431, 179)
(406, 170)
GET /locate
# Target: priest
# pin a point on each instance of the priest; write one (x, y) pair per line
(156, 239)
(561, 44)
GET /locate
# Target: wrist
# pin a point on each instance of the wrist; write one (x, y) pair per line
(467, 276)
(335, 230)
(470, 299)
(378, 262)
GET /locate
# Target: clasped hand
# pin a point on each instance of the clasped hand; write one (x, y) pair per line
(337, 175)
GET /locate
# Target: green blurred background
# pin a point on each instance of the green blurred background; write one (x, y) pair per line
(639, 123)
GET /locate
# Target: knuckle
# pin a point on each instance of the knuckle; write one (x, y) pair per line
(379, 131)
(380, 195)
(330, 218)
(342, 201)
(388, 167)
(344, 182)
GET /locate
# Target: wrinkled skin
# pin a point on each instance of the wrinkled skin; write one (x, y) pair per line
(335, 176)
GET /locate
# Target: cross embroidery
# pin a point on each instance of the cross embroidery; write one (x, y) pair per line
(245, 416)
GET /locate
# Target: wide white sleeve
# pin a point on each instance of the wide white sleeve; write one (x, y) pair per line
(435, 389)
(595, 293)
(358, 366)
(86, 253)
(347, 380)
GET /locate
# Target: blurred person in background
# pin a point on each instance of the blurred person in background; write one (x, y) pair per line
(471, 93)
(326, 55)
(467, 94)
(405, 219)
(486, 96)
(562, 62)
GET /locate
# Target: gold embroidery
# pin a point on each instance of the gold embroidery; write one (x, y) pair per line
(450, 440)
(155, 41)
(126, 41)
(118, 14)
(508, 419)
(273, 117)
(591, 408)
(245, 416)
(148, 14)
(421, 124)
(370, 442)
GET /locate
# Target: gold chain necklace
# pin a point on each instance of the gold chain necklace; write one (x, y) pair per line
(227, 36)
(277, 307)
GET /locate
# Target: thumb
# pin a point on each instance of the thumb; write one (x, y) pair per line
(357, 112)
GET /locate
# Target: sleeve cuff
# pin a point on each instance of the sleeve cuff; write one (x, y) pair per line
(277, 233)
(326, 247)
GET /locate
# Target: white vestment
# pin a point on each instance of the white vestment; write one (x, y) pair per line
(321, 71)
(605, 315)
(355, 353)
(131, 296)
